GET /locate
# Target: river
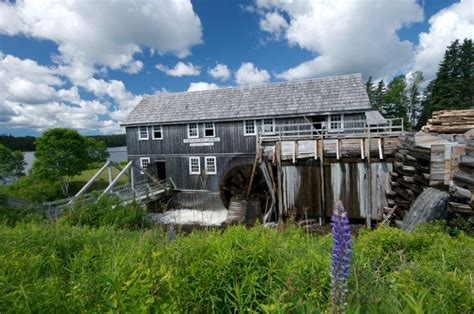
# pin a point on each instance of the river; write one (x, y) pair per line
(116, 154)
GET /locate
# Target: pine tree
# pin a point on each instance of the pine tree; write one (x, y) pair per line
(395, 100)
(369, 86)
(378, 97)
(414, 97)
(453, 87)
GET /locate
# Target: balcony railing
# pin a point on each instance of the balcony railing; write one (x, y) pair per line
(355, 129)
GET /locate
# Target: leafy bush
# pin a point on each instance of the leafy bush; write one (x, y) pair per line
(107, 211)
(12, 216)
(33, 189)
(61, 268)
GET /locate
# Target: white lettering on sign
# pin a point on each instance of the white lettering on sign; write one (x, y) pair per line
(201, 144)
(202, 140)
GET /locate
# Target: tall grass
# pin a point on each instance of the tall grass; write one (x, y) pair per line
(62, 268)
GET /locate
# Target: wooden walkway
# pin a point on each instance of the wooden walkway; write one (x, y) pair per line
(145, 191)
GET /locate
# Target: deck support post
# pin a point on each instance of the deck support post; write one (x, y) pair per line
(380, 144)
(338, 149)
(362, 152)
(322, 206)
(315, 149)
(295, 148)
(369, 184)
(280, 183)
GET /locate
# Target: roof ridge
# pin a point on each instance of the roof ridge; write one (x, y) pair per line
(358, 74)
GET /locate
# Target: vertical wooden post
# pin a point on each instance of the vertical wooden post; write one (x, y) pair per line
(132, 180)
(338, 151)
(322, 207)
(380, 144)
(369, 185)
(315, 149)
(280, 183)
(295, 150)
(362, 152)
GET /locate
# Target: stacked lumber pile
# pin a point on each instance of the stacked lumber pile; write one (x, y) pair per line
(462, 185)
(450, 121)
(410, 175)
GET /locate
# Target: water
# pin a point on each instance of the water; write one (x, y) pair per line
(116, 154)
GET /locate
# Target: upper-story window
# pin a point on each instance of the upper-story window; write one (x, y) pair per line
(249, 127)
(143, 133)
(336, 122)
(157, 132)
(209, 129)
(268, 126)
(193, 131)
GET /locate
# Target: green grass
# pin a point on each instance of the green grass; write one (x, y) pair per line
(63, 268)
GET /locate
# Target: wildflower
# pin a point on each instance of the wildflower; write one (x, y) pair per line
(340, 258)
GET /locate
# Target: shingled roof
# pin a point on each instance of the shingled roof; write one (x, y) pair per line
(295, 98)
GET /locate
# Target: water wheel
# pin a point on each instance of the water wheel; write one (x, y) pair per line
(235, 182)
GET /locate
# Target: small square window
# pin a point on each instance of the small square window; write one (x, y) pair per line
(211, 167)
(249, 127)
(209, 129)
(144, 162)
(268, 126)
(194, 165)
(193, 130)
(157, 133)
(336, 122)
(143, 133)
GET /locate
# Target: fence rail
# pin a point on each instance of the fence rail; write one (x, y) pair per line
(356, 128)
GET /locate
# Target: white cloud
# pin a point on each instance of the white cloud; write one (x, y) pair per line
(453, 22)
(106, 32)
(249, 74)
(345, 35)
(220, 72)
(273, 23)
(198, 86)
(180, 69)
(33, 96)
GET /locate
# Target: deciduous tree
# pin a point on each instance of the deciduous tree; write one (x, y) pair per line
(12, 163)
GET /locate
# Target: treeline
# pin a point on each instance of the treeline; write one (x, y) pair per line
(407, 98)
(27, 143)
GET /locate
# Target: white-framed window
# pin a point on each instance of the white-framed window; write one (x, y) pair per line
(209, 129)
(211, 165)
(144, 162)
(336, 122)
(268, 126)
(142, 133)
(157, 133)
(193, 131)
(250, 127)
(194, 165)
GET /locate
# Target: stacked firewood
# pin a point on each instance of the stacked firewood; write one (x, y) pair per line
(411, 173)
(462, 185)
(450, 121)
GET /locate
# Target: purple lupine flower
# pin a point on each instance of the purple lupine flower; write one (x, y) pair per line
(340, 258)
(171, 233)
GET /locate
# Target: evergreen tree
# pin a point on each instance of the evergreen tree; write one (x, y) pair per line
(414, 95)
(370, 88)
(395, 100)
(378, 97)
(453, 87)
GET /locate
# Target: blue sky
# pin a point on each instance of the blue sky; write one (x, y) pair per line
(85, 65)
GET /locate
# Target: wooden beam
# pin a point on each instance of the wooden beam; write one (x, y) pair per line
(111, 185)
(362, 152)
(89, 183)
(380, 143)
(280, 183)
(322, 206)
(295, 147)
(338, 149)
(369, 185)
(315, 149)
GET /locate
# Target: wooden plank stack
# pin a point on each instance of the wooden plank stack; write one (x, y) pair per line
(410, 175)
(462, 184)
(450, 121)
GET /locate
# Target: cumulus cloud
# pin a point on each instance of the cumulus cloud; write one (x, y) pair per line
(453, 22)
(220, 72)
(34, 96)
(198, 86)
(180, 69)
(91, 33)
(249, 74)
(345, 35)
(91, 38)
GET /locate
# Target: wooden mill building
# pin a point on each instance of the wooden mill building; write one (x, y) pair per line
(296, 147)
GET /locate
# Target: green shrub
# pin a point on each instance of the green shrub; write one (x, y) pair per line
(33, 189)
(12, 216)
(107, 211)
